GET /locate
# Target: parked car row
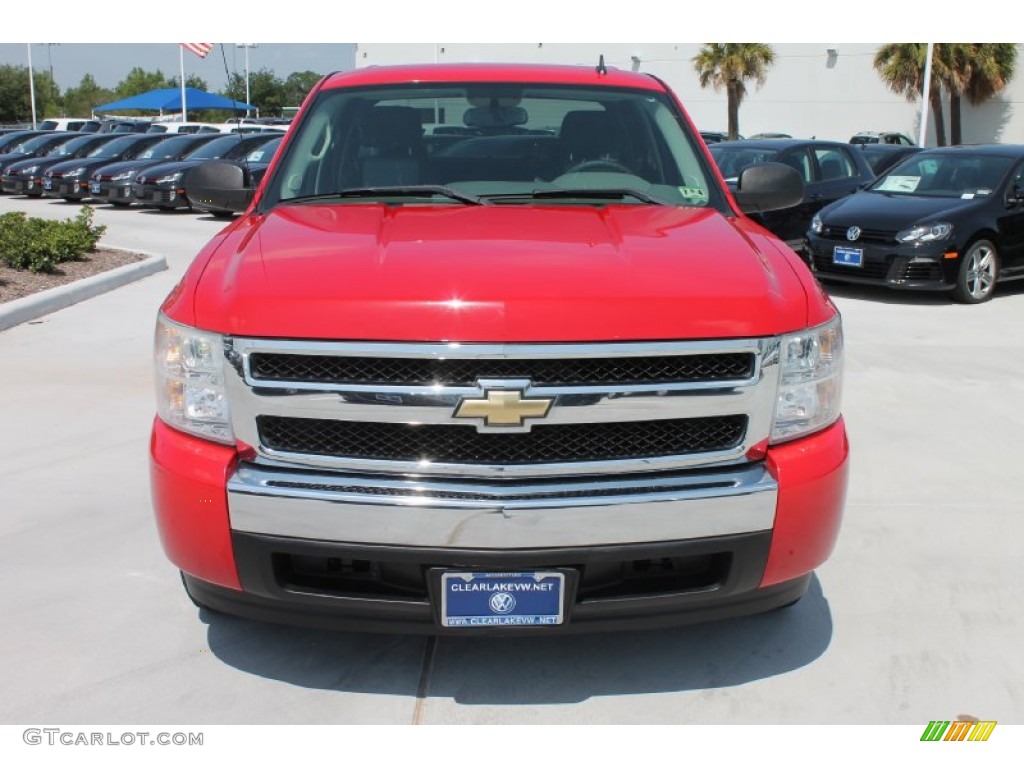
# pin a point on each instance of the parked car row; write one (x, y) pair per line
(122, 169)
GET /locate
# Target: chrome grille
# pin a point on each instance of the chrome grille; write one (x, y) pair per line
(390, 409)
(866, 235)
(457, 444)
(541, 372)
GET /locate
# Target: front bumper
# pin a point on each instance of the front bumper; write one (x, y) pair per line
(73, 188)
(19, 185)
(928, 267)
(116, 192)
(279, 547)
(160, 197)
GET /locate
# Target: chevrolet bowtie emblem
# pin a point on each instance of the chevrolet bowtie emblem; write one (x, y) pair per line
(503, 408)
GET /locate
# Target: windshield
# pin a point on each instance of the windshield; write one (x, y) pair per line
(499, 142)
(945, 175)
(213, 149)
(732, 161)
(169, 149)
(264, 152)
(37, 143)
(69, 148)
(113, 148)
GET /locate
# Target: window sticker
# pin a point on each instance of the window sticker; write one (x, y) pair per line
(694, 194)
(255, 157)
(899, 184)
(983, 191)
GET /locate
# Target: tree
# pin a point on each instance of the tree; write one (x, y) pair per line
(192, 81)
(266, 91)
(140, 81)
(297, 85)
(730, 66)
(15, 95)
(901, 67)
(986, 68)
(80, 100)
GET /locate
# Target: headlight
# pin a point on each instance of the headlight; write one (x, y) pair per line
(30, 171)
(122, 176)
(816, 225)
(190, 381)
(925, 233)
(810, 381)
(75, 172)
(170, 178)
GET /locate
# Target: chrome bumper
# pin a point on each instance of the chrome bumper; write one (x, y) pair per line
(363, 509)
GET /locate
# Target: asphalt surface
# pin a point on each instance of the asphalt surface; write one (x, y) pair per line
(916, 617)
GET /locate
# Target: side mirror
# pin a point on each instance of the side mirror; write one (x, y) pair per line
(768, 187)
(219, 184)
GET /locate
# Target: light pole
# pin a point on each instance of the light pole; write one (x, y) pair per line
(247, 46)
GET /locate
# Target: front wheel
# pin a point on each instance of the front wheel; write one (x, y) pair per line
(978, 273)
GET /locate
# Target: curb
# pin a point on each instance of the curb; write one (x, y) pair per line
(22, 310)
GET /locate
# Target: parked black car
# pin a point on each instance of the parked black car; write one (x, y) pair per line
(254, 165)
(882, 157)
(948, 219)
(70, 179)
(113, 183)
(882, 137)
(25, 177)
(33, 146)
(830, 170)
(16, 136)
(162, 186)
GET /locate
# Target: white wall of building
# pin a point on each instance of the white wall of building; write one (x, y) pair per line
(806, 93)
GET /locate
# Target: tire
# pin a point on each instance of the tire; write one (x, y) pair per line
(222, 214)
(978, 273)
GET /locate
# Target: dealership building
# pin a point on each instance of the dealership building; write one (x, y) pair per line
(824, 90)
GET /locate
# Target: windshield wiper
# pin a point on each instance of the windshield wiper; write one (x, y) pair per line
(600, 194)
(414, 190)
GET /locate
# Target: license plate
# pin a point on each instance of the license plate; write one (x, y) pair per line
(850, 257)
(531, 598)
(94, 187)
(47, 185)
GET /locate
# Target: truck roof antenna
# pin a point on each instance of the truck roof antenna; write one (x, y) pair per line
(601, 68)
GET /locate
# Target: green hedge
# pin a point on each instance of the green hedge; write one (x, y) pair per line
(39, 245)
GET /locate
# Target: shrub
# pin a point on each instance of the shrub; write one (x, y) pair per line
(39, 245)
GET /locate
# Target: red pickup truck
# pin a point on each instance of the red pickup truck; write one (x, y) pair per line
(494, 349)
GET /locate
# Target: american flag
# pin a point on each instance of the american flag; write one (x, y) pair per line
(199, 49)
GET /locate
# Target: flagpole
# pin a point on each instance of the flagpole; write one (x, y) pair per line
(181, 61)
(31, 85)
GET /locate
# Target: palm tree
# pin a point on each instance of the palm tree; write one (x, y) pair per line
(984, 69)
(901, 66)
(729, 66)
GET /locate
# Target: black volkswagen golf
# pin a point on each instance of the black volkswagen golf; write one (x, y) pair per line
(947, 219)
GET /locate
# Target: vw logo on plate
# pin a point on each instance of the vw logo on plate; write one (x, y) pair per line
(502, 602)
(853, 233)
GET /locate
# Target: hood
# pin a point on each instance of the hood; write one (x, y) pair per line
(173, 166)
(59, 169)
(498, 274)
(112, 169)
(878, 210)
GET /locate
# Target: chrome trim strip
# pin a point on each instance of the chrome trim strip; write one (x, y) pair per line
(683, 507)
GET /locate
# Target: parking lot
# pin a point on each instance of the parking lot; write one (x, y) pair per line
(916, 616)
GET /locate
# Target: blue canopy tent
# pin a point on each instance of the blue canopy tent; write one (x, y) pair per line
(169, 100)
